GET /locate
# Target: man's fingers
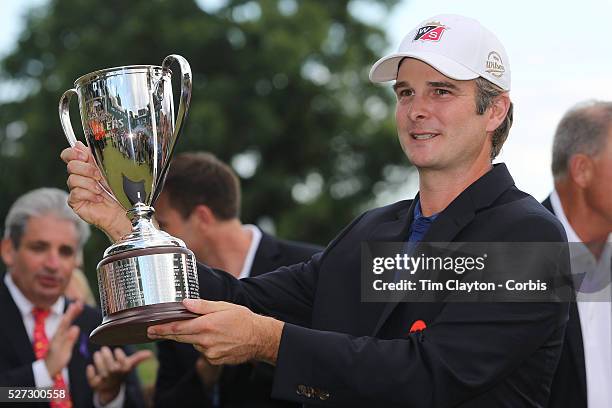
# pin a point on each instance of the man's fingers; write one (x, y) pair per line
(72, 335)
(100, 366)
(87, 183)
(109, 359)
(201, 306)
(190, 326)
(120, 357)
(88, 157)
(84, 151)
(92, 378)
(78, 152)
(69, 154)
(137, 358)
(82, 168)
(74, 309)
(194, 339)
(79, 196)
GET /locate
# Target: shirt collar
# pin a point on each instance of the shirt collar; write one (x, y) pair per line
(418, 215)
(557, 207)
(24, 305)
(250, 256)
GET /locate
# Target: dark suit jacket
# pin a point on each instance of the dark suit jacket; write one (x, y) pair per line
(245, 385)
(17, 355)
(336, 350)
(569, 383)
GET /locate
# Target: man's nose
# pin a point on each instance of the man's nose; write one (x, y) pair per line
(52, 260)
(419, 108)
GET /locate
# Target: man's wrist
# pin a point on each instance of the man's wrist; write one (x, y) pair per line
(107, 396)
(118, 229)
(268, 336)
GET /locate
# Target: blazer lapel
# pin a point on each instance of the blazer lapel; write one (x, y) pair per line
(393, 231)
(548, 204)
(13, 326)
(459, 213)
(396, 229)
(266, 255)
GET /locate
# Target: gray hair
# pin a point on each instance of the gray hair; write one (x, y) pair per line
(486, 92)
(39, 202)
(583, 129)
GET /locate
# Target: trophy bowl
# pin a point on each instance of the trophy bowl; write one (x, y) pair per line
(128, 119)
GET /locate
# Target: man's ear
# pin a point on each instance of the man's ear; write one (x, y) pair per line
(7, 250)
(580, 169)
(203, 215)
(497, 111)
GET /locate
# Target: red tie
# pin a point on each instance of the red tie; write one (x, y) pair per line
(41, 348)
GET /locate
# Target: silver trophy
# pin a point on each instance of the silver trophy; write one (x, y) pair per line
(128, 119)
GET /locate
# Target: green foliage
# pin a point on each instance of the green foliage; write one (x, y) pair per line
(285, 87)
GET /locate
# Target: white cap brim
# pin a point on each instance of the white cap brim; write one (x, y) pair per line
(385, 69)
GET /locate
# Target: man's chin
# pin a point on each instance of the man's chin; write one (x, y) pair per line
(49, 295)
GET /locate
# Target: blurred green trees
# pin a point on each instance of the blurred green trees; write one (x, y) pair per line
(280, 92)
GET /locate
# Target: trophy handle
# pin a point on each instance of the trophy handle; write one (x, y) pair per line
(184, 101)
(64, 113)
(185, 92)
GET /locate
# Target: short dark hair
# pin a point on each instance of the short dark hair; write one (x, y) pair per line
(486, 91)
(199, 178)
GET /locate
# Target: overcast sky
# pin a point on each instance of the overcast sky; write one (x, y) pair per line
(559, 52)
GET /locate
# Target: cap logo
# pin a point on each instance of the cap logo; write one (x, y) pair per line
(495, 65)
(430, 32)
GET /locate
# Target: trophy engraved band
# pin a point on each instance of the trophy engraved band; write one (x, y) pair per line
(127, 115)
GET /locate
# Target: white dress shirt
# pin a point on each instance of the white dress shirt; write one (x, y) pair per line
(594, 310)
(250, 256)
(42, 379)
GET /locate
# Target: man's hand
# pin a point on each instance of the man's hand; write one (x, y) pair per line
(225, 333)
(60, 346)
(109, 370)
(87, 198)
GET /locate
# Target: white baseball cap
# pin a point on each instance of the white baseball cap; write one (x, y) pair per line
(459, 47)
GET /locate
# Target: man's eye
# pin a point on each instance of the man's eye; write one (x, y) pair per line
(405, 92)
(441, 92)
(66, 252)
(38, 248)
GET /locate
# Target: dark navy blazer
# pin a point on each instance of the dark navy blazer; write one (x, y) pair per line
(336, 350)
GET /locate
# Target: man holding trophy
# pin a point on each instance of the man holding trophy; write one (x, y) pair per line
(128, 118)
(329, 347)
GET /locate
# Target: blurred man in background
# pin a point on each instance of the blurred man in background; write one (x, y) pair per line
(46, 337)
(582, 200)
(200, 204)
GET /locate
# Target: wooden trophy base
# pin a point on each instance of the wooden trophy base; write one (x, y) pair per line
(130, 326)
